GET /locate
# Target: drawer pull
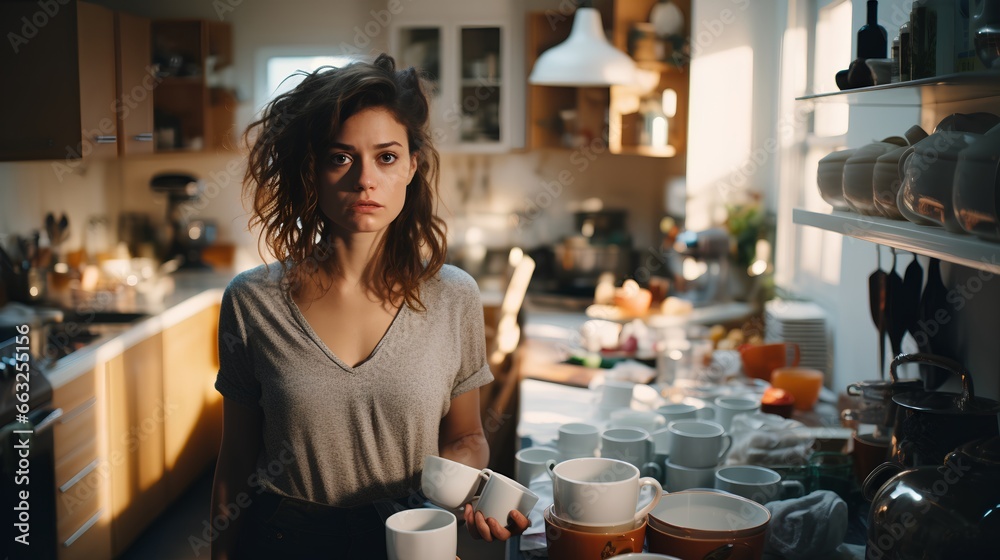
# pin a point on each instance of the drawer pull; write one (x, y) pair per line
(144, 137)
(79, 476)
(83, 529)
(48, 421)
(78, 410)
(105, 139)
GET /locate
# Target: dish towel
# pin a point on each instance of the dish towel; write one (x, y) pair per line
(805, 528)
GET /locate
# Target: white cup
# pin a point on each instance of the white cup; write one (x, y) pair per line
(422, 534)
(677, 411)
(645, 419)
(501, 495)
(759, 484)
(600, 491)
(576, 440)
(448, 484)
(616, 393)
(632, 445)
(530, 462)
(680, 477)
(698, 443)
(661, 441)
(726, 408)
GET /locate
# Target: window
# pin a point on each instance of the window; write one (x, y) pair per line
(276, 69)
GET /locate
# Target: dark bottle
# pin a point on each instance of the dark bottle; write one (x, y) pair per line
(873, 42)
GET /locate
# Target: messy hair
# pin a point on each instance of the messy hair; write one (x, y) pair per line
(287, 150)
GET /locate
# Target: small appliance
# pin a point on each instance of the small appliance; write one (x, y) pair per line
(705, 265)
(188, 235)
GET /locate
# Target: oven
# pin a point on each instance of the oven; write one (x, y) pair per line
(27, 459)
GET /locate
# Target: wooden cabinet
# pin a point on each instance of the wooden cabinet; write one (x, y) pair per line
(83, 520)
(469, 53)
(193, 430)
(59, 94)
(135, 82)
(571, 117)
(136, 416)
(189, 112)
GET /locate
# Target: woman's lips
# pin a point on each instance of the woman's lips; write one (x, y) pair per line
(365, 206)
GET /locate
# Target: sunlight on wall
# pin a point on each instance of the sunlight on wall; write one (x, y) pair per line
(720, 144)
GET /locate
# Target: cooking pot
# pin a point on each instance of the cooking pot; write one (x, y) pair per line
(929, 424)
(940, 512)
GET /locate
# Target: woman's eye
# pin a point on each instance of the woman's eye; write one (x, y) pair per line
(388, 158)
(340, 159)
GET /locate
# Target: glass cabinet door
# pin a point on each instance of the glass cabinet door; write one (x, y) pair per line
(420, 47)
(481, 84)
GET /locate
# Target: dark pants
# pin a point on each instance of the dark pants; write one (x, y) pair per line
(280, 527)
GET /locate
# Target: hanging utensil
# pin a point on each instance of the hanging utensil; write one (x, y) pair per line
(929, 327)
(895, 315)
(913, 283)
(877, 282)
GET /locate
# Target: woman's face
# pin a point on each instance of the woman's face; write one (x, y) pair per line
(363, 177)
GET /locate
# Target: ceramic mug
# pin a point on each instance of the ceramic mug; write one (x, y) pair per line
(694, 524)
(421, 534)
(632, 445)
(727, 408)
(760, 360)
(577, 439)
(759, 484)
(616, 393)
(501, 495)
(680, 478)
(698, 443)
(600, 490)
(645, 419)
(530, 462)
(449, 484)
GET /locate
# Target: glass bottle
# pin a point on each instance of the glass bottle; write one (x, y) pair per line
(904, 52)
(873, 41)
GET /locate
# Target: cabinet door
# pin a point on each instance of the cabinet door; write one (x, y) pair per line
(136, 413)
(481, 95)
(96, 51)
(192, 433)
(135, 84)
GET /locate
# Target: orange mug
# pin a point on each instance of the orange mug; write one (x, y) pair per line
(761, 359)
(804, 384)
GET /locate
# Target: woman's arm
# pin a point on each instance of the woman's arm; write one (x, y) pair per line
(462, 439)
(241, 441)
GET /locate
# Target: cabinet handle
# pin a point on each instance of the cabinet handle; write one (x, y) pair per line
(48, 421)
(79, 476)
(144, 137)
(83, 529)
(105, 139)
(69, 416)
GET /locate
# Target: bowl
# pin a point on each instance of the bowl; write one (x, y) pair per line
(691, 524)
(590, 527)
(830, 178)
(570, 544)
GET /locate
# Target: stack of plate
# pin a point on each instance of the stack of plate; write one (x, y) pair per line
(803, 323)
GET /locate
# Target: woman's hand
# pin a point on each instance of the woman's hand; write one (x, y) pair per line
(489, 528)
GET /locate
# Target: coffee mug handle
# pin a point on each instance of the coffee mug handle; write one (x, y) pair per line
(795, 486)
(549, 466)
(652, 469)
(485, 474)
(725, 448)
(658, 493)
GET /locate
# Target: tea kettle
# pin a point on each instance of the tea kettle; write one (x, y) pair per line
(939, 512)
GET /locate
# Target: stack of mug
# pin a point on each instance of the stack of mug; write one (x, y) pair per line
(596, 510)
(696, 449)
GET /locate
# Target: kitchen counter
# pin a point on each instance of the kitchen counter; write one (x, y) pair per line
(192, 292)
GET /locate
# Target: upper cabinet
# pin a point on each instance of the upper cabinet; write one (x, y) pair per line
(58, 101)
(648, 118)
(468, 54)
(190, 111)
(136, 79)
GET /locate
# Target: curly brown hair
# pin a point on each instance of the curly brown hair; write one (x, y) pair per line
(289, 141)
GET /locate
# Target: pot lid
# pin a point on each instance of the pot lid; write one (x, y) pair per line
(983, 450)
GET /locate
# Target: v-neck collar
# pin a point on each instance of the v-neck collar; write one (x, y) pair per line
(311, 333)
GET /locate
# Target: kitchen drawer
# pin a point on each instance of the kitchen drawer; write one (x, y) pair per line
(90, 541)
(75, 428)
(71, 464)
(76, 392)
(80, 501)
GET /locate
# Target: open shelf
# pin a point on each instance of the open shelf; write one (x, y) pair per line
(948, 88)
(931, 241)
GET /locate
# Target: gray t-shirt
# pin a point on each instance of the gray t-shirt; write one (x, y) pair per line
(339, 435)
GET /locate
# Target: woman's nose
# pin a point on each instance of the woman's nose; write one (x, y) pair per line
(366, 177)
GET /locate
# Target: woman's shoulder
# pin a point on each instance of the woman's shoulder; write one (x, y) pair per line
(256, 281)
(450, 284)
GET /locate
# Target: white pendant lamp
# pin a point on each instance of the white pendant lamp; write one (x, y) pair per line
(584, 59)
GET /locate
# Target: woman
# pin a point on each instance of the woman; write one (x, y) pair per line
(360, 353)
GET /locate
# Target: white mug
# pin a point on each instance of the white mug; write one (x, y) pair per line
(616, 393)
(661, 441)
(632, 445)
(501, 495)
(677, 411)
(597, 490)
(680, 477)
(698, 443)
(726, 408)
(448, 484)
(645, 419)
(576, 440)
(759, 484)
(422, 534)
(530, 462)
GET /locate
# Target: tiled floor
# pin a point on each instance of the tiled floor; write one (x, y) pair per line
(171, 535)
